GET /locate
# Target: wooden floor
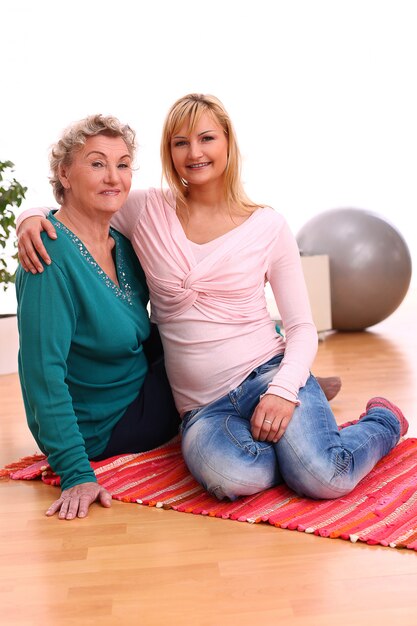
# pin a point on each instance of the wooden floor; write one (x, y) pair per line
(136, 565)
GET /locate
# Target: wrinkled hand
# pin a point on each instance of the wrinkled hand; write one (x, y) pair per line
(29, 243)
(75, 502)
(271, 418)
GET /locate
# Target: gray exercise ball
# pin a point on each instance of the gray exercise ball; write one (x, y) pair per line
(370, 264)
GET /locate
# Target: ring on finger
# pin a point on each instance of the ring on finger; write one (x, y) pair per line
(268, 422)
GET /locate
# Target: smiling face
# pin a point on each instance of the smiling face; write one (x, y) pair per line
(200, 154)
(99, 177)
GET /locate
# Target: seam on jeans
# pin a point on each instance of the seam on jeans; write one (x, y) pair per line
(235, 404)
(235, 393)
(237, 443)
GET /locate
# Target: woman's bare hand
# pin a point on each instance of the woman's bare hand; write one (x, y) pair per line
(75, 502)
(271, 417)
(29, 243)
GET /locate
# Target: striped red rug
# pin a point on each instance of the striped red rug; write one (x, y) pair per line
(382, 509)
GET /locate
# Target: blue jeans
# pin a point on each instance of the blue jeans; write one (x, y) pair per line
(313, 457)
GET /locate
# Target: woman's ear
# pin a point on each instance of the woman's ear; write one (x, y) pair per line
(63, 176)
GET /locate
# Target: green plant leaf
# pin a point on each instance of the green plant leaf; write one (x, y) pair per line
(11, 195)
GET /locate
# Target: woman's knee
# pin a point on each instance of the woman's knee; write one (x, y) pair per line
(224, 465)
(316, 489)
(239, 481)
(319, 480)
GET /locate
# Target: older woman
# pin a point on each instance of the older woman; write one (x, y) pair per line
(87, 387)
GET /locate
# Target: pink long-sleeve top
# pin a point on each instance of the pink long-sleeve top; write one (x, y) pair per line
(209, 299)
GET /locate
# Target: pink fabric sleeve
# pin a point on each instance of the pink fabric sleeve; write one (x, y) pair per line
(36, 212)
(286, 278)
(126, 219)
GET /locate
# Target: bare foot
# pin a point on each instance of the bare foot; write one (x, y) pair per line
(331, 386)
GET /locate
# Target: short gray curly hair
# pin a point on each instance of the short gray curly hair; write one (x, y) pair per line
(75, 136)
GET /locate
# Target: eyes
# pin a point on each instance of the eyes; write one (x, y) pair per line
(99, 164)
(184, 142)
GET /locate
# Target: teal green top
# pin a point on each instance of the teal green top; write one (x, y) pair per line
(81, 361)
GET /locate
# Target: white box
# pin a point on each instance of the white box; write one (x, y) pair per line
(317, 276)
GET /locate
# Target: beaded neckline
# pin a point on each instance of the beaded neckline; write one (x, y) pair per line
(124, 291)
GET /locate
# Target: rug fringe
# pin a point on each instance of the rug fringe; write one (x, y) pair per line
(24, 462)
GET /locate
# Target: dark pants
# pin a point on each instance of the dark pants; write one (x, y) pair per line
(152, 418)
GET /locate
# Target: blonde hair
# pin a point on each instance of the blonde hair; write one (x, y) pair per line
(75, 136)
(189, 109)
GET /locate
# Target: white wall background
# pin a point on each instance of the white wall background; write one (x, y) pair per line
(322, 92)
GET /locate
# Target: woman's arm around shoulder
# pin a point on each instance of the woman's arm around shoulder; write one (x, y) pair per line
(31, 250)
